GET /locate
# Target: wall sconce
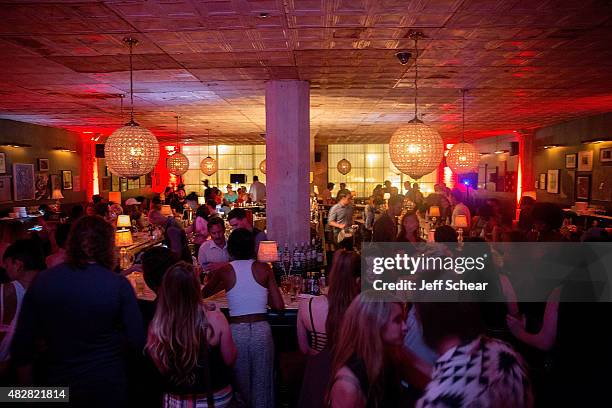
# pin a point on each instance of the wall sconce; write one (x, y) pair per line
(64, 149)
(15, 144)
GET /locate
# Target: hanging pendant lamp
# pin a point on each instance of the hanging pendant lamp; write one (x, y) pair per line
(208, 165)
(262, 166)
(178, 163)
(463, 157)
(344, 166)
(131, 151)
(415, 148)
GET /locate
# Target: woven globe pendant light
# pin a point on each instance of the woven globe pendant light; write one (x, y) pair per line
(262, 166)
(344, 167)
(178, 163)
(463, 157)
(208, 165)
(131, 151)
(415, 148)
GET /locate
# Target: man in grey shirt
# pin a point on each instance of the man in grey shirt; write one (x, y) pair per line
(340, 215)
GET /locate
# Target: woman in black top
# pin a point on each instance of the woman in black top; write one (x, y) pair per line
(188, 341)
(83, 315)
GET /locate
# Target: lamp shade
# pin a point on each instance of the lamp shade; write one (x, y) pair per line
(166, 210)
(57, 195)
(262, 166)
(131, 151)
(201, 200)
(268, 251)
(416, 149)
(316, 190)
(123, 221)
(461, 221)
(434, 211)
(208, 166)
(123, 238)
(344, 166)
(177, 164)
(463, 158)
(114, 196)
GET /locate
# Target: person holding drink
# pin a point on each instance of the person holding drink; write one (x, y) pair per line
(213, 255)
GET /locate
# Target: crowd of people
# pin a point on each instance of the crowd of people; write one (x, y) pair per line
(69, 317)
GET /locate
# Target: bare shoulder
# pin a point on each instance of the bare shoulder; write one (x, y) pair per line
(346, 391)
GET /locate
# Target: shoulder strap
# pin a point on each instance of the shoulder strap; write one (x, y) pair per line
(314, 331)
(204, 363)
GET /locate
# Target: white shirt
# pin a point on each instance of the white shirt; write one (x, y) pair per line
(210, 252)
(257, 191)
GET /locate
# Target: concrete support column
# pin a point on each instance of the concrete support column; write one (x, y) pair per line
(526, 160)
(288, 158)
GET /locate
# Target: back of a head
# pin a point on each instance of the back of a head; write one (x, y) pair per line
(211, 203)
(343, 287)
(96, 198)
(241, 244)
(192, 196)
(457, 195)
(236, 213)
(155, 262)
(27, 251)
(174, 334)
(341, 196)
(77, 212)
(547, 213)
(101, 209)
(441, 320)
(255, 178)
(203, 212)
(91, 240)
(330, 186)
(485, 211)
(61, 234)
(445, 233)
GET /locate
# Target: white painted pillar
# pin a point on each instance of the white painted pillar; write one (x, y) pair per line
(288, 161)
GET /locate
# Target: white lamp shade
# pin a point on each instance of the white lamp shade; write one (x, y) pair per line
(131, 151)
(123, 238)
(268, 251)
(201, 200)
(316, 190)
(166, 210)
(57, 195)
(124, 221)
(461, 221)
(434, 211)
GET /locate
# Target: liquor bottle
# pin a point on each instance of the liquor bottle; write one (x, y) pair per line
(310, 284)
(316, 291)
(319, 252)
(313, 254)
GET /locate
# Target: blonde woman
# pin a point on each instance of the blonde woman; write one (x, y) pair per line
(190, 344)
(369, 362)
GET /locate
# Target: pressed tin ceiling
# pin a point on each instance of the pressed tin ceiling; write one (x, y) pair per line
(527, 63)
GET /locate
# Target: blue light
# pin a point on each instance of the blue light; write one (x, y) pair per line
(466, 182)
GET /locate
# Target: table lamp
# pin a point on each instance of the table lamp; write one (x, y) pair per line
(434, 213)
(316, 190)
(114, 197)
(57, 196)
(460, 224)
(268, 251)
(166, 210)
(123, 221)
(201, 200)
(387, 196)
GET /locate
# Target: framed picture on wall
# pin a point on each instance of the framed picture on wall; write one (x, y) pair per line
(5, 189)
(67, 179)
(583, 187)
(42, 185)
(542, 181)
(124, 184)
(43, 164)
(2, 163)
(23, 182)
(570, 161)
(537, 183)
(56, 183)
(605, 155)
(552, 182)
(585, 160)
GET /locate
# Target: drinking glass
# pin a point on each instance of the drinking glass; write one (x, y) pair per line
(286, 284)
(296, 286)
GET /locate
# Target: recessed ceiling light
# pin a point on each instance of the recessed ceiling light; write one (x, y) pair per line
(263, 15)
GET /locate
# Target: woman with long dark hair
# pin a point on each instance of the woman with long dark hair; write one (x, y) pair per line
(85, 315)
(190, 344)
(410, 228)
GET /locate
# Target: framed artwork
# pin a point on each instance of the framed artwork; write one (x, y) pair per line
(143, 181)
(585, 160)
(5, 189)
(605, 155)
(601, 190)
(55, 183)
(552, 182)
(570, 161)
(542, 181)
(124, 184)
(2, 163)
(133, 184)
(583, 187)
(23, 182)
(67, 179)
(42, 186)
(106, 184)
(537, 183)
(43, 164)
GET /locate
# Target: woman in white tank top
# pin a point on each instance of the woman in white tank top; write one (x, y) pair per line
(249, 285)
